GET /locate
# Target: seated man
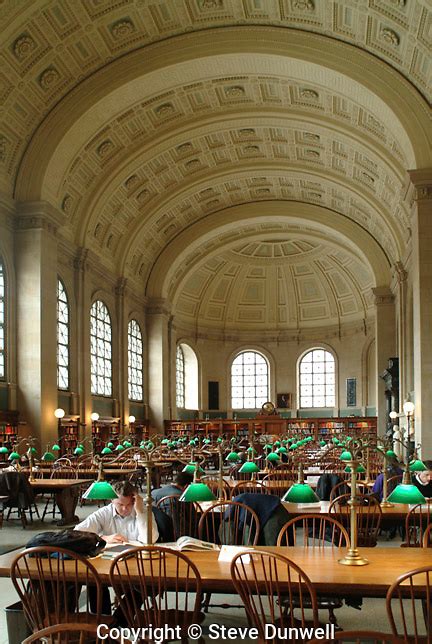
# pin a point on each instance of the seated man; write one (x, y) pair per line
(393, 469)
(423, 480)
(123, 520)
(180, 483)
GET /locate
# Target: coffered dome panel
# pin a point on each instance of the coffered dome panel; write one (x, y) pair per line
(311, 283)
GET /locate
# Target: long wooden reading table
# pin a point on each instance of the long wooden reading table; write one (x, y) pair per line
(320, 564)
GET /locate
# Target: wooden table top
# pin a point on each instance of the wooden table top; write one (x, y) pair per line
(58, 484)
(320, 564)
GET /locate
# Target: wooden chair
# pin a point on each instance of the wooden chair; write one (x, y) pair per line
(362, 637)
(368, 513)
(20, 495)
(75, 633)
(268, 584)
(184, 515)
(416, 522)
(154, 598)
(316, 531)
(228, 523)
(255, 487)
(427, 537)
(409, 601)
(46, 580)
(278, 482)
(213, 483)
(344, 488)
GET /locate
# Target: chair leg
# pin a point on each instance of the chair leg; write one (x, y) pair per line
(206, 602)
(23, 518)
(333, 619)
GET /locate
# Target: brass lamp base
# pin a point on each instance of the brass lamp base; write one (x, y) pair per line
(386, 504)
(353, 558)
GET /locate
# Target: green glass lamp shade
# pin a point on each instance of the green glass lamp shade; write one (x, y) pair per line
(285, 442)
(272, 457)
(149, 445)
(268, 447)
(78, 451)
(335, 440)
(190, 468)
(249, 468)
(219, 440)
(55, 448)
(345, 456)
(406, 493)
(81, 446)
(106, 450)
(251, 450)
(172, 445)
(300, 493)
(206, 441)
(360, 469)
(13, 456)
(232, 440)
(48, 456)
(165, 441)
(119, 448)
(127, 444)
(293, 446)
(391, 454)
(417, 466)
(322, 443)
(282, 450)
(3, 450)
(100, 490)
(197, 492)
(277, 443)
(233, 457)
(192, 442)
(33, 450)
(110, 445)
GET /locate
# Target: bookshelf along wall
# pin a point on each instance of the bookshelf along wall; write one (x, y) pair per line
(68, 433)
(105, 430)
(8, 428)
(319, 428)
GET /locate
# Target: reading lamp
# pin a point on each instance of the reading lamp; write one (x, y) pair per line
(300, 492)
(197, 491)
(100, 490)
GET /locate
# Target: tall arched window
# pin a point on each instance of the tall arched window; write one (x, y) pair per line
(180, 378)
(135, 361)
(2, 321)
(62, 337)
(317, 379)
(100, 350)
(249, 380)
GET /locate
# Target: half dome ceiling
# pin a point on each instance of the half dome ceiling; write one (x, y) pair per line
(141, 121)
(287, 284)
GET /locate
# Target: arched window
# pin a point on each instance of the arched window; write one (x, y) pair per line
(180, 378)
(62, 337)
(2, 321)
(186, 377)
(317, 379)
(100, 350)
(249, 380)
(135, 361)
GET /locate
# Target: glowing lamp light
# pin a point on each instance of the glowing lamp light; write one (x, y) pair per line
(131, 419)
(99, 491)
(408, 407)
(94, 416)
(59, 413)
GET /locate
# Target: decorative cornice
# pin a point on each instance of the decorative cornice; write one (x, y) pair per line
(7, 211)
(383, 295)
(85, 259)
(121, 287)
(38, 215)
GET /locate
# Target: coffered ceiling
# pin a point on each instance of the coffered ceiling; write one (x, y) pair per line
(142, 121)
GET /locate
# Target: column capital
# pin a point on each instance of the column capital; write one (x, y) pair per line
(121, 286)
(84, 259)
(158, 306)
(38, 215)
(383, 295)
(422, 181)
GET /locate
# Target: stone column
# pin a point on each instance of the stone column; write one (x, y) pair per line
(36, 271)
(157, 320)
(422, 306)
(385, 340)
(401, 304)
(122, 374)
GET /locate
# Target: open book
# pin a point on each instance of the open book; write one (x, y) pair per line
(190, 543)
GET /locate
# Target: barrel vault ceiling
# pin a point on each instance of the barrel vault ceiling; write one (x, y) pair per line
(134, 165)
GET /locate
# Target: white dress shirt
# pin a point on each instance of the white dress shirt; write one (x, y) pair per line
(106, 521)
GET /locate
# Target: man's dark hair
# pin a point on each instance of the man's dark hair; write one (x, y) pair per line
(428, 464)
(124, 488)
(183, 479)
